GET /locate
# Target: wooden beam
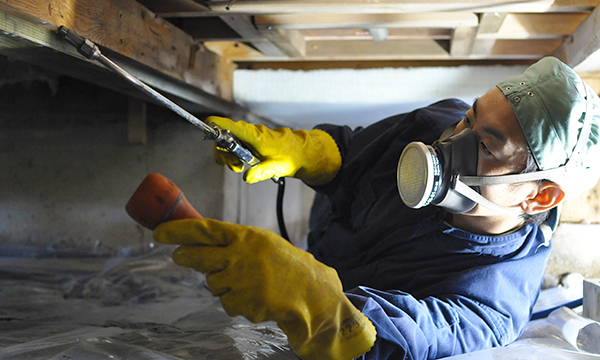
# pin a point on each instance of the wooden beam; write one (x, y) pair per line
(573, 5)
(537, 47)
(489, 24)
(128, 28)
(462, 41)
(366, 21)
(27, 38)
(584, 41)
(379, 7)
(244, 26)
(362, 34)
(208, 29)
(531, 26)
(172, 6)
(291, 42)
(369, 50)
(237, 51)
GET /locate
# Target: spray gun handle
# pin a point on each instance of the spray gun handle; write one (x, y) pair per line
(232, 144)
(226, 140)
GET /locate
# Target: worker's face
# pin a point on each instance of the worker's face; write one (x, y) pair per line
(502, 149)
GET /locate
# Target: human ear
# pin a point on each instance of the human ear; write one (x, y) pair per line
(549, 195)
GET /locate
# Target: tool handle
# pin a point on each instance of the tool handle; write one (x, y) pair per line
(232, 144)
(157, 200)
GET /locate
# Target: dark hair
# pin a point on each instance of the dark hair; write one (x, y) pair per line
(532, 166)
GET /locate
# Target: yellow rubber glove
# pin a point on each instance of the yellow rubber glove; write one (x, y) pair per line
(261, 276)
(312, 156)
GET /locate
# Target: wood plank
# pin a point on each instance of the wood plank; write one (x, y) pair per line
(489, 24)
(507, 48)
(378, 7)
(368, 49)
(242, 24)
(208, 29)
(583, 42)
(483, 47)
(367, 21)
(32, 40)
(532, 25)
(237, 51)
(462, 41)
(290, 42)
(130, 29)
(573, 5)
(362, 34)
(172, 6)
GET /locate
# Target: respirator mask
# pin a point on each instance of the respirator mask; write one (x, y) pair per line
(427, 174)
(444, 174)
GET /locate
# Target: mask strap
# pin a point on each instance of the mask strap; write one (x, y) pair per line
(465, 190)
(513, 178)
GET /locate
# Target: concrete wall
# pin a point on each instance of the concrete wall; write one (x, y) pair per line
(256, 205)
(67, 171)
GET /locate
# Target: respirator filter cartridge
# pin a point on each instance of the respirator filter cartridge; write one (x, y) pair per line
(419, 175)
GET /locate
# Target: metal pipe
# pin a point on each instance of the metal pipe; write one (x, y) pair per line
(224, 139)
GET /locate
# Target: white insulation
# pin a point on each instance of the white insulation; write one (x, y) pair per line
(303, 99)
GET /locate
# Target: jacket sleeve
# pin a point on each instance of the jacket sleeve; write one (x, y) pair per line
(483, 307)
(431, 328)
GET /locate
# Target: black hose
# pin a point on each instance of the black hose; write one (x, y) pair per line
(280, 221)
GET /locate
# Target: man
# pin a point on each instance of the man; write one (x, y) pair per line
(414, 280)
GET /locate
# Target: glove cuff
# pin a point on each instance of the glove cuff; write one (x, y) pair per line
(326, 160)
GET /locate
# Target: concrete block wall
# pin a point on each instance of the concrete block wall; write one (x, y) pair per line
(67, 171)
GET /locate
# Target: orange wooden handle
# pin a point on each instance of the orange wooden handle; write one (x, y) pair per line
(157, 200)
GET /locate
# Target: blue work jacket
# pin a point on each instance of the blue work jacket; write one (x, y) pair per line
(430, 289)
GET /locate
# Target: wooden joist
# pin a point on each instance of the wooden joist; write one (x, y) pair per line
(131, 30)
(253, 7)
(352, 21)
(583, 42)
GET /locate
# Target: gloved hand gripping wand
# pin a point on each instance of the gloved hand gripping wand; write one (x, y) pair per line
(223, 138)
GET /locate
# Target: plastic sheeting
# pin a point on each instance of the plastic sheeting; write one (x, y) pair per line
(61, 307)
(68, 306)
(564, 335)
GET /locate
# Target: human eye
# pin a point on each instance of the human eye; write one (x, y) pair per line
(467, 121)
(484, 148)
